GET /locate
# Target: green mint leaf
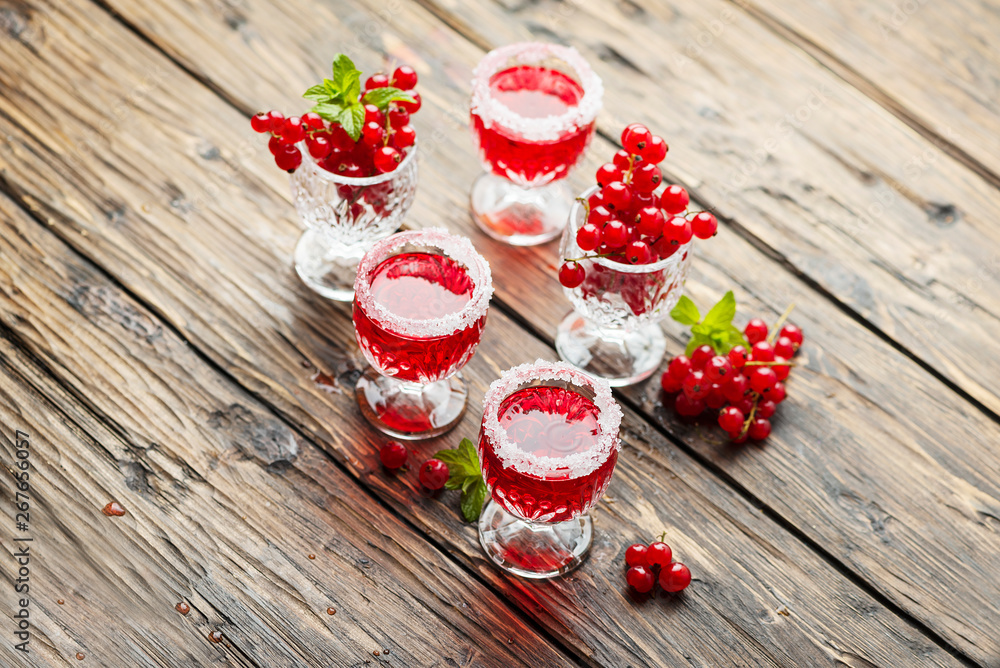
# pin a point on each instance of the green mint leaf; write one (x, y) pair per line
(473, 500)
(468, 450)
(353, 119)
(696, 341)
(685, 312)
(381, 97)
(346, 76)
(331, 88)
(456, 482)
(720, 341)
(317, 93)
(722, 313)
(737, 338)
(702, 328)
(328, 111)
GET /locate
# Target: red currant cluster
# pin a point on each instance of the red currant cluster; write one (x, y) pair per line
(433, 472)
(378, 144)
(744, 386)
(629, 219)
(645, 560)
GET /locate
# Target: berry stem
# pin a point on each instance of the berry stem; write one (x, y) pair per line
(781, 321)
(588, 257)
(749, 420)
(661, 536)
(772, 363)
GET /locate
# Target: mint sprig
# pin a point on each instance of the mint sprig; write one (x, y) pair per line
(715, 330)
(465, 474)
(338, 100)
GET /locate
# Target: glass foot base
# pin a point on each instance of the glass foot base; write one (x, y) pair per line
(534, 549)
(520, 216)
(411, 411)
(324, 271)
(621, 357)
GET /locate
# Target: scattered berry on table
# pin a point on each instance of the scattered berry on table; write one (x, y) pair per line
(641, 579)
(675, 577)
(433, 474)
(659, 554)
(635, 555)
(393, 455)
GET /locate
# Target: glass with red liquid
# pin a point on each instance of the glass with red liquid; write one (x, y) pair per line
(532, 113)
(420, 303)
(548, 446)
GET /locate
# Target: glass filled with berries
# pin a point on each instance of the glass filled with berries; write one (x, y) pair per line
(353, 167)
(532, 115)
(626, 255)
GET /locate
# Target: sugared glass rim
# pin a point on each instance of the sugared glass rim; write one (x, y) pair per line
(623, 267)
(550, 128)
(457, 248)
(327, 175)
(609, 417)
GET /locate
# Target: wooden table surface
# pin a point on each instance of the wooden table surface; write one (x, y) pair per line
(158, 350)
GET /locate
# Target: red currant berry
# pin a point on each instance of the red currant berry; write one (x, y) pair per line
(595, 200)
(736, 388)
(674, 199)
(398, 117)
(639, 252)
(635, 555)
(659, 554)
(260, 122)
(293, 131)
(756, 330)
(762, 379)
(609, 172)
(411, 107)
(571, 274)
(731, 419)
(738, 437)
(319, 146)
(635, 138)
(675, 577)
(679, 367)
(387, 159)
(588, 237)
(393, 455)
(655, 151)
(372, 134)
(599, 216)
(646, 178)
(687, 407)
(793, 334)
(738, 356)
(700, 356)
(274, 144)
(745, 404)
(622, 161)
(649, 221)
(373, 113)
(760, 429)
(664, 247)
(641, 579)
(404, 78)
(765, 408)
(696, 387)
(277, 121)
(313, 121)
(670, 384)
(716, 399)
(340, 139)
(404, 137)
(677, 230)
(288, 158)
(762, 351)
(376, 81)
(781, 370)
(615, 234)
(617, 196)
(718, 369)
(433, 474)
(784, 347)
(777, 393)
(704, 225)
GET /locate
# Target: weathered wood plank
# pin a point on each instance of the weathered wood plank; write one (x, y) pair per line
(823, 493)
(228, 509)
(257, 317)
(934, 65)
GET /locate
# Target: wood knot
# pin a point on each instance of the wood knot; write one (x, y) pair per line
(257, 436)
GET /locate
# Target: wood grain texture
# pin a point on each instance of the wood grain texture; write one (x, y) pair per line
(935, 65)
(827, 474)
(228, 508)
(252, 314)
